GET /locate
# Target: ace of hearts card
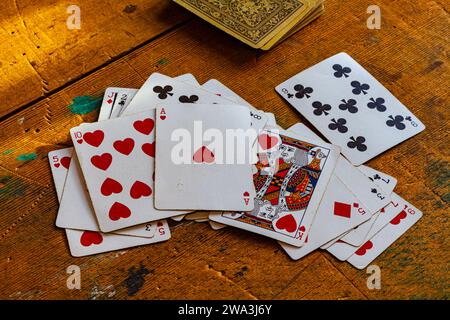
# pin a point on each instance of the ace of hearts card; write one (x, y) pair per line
(197, 164)
(289, 192)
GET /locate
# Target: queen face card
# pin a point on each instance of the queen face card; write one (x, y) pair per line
(203, 158)
(350, 108)
(290, 181)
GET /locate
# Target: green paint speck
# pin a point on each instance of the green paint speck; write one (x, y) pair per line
(162, 62)
(27, 156)
(84, 104)
(6, 152)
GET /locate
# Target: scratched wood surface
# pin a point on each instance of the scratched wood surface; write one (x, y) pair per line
(39, 54)
(409, 55)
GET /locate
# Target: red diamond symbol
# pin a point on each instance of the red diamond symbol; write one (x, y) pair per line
(342, 209)
(109, 101)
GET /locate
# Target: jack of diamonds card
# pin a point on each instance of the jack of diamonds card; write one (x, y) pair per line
(290, 180)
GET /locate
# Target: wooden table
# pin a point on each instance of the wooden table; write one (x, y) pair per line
(45, 66)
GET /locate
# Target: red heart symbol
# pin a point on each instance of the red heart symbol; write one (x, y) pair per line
(57, 165)
(90, 237)
(110, 186)
(246, 194)
(144, 126)
(94, 138)
(402, 215)
(103, 161)
(162, 117)
(140, 189)
(65, 161)
(149, 149)
(119, 210)
(266, 141)
(124, 146)
(203, 154)
(363, 249)
(287, 223)
(80, 141)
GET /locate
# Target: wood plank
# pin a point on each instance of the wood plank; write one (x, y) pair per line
(39, 54)
(198, 262)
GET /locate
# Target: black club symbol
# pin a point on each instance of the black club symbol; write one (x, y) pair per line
(321, 108)
(396, 122)
(377, 103)
(357, 143)
(303, 91)
(163, 92)
(377, 176)
(341, 71)
(349, 105)
(190, 99)
(359, 87)
(338, 125)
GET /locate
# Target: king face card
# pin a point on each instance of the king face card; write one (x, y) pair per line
(290, 180)
(202, 158)
(350, 108)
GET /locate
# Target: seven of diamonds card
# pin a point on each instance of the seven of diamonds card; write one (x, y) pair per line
(350, 108)
(290, 180)
(117, 160)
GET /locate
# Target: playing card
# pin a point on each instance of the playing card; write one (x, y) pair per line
(189, 78)
(218, 88)
(81, 242)
(350, 108)
(117, 160)
(342, 250)
(75, 211)
(107, 104)
(338, 212)
(383, 180)
(215, 225)
(369, 193)
(260, 24)
(290, 181)
(199, 215)
(178, 218)
(84, 243)
(371, 249)
(123, 99)
(258, 118)
(271, 121)
(202, 158)
(160, 90)
(59, 165)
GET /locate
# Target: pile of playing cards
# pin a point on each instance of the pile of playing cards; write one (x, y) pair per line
(260, 24)
(174, 147)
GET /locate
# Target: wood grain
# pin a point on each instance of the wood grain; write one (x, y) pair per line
(409, 55)
(39, 53)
